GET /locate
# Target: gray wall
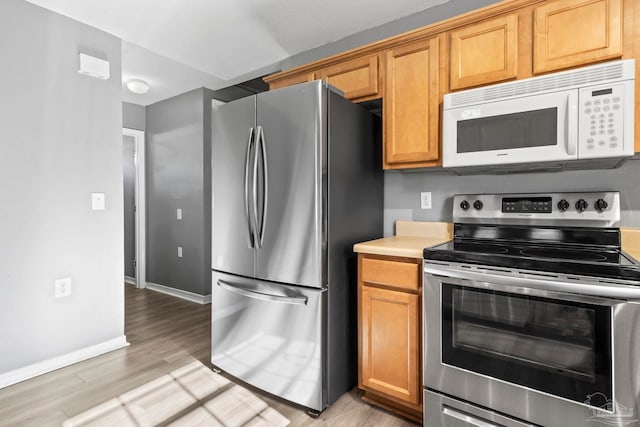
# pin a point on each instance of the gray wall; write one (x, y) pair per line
(402, 190)
(60, 140)
(178, 176)
(133, 116)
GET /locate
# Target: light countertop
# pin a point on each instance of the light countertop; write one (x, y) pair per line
(631, 242)
(413, 236)
(410, 239)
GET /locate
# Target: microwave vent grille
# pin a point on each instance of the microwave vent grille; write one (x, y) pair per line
(559, 81)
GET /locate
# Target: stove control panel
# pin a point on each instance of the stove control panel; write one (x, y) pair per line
(589, 209)
(526, 204)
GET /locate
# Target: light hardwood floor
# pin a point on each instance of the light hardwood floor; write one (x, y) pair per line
(166, 334)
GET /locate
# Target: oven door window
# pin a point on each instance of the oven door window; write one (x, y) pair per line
(558, 347)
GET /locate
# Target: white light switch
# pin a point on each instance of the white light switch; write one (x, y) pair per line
(425, 200)
(97, 201)
(179, 251)
(179, 214)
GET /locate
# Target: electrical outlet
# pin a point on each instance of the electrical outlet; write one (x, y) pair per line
(425, 200)
(62, 287)
(179, 251)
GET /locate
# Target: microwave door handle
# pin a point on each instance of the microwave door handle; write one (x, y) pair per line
(572, 123)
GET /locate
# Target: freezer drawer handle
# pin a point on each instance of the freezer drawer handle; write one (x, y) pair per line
(259, 295)
(466, 418)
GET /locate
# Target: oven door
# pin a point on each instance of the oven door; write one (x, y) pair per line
(542, 128)
(531, 353)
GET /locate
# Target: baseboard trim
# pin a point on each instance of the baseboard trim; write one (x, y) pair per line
(130, 280)
(39, 368)
(179, 293)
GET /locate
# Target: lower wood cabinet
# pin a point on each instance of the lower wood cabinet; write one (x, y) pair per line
(389, 335)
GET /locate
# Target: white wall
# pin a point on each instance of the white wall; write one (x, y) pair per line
(60, 140)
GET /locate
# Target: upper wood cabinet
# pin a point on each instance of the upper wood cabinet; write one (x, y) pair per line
(411, 104)
(507, 40)
(568, 33)
(486, 52)
(358, 78)
(293, 80)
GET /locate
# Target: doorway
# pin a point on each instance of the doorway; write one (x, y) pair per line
(134, 207)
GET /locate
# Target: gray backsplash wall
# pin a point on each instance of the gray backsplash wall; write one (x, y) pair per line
(402, 190)
(60, 141)
(178, 177)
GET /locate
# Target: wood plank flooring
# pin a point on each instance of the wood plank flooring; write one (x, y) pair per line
(166, 334)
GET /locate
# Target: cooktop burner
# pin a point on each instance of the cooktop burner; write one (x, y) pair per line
(565, 254)
(481, 248)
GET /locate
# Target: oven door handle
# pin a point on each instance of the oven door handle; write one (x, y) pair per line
(593, 288)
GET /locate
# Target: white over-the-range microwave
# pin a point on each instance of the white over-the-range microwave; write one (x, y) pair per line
(571, 119)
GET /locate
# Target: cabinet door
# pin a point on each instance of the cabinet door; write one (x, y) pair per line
(357, 78)
(390, 344)
(294, 80)
(484, 53)
(568, 33)
(411, 105)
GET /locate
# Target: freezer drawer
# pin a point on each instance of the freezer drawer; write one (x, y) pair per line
(270, 336)
(443, 411)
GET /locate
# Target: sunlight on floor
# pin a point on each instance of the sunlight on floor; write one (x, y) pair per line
(189, 396)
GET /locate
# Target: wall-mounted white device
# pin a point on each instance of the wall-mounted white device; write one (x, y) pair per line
(94, 67)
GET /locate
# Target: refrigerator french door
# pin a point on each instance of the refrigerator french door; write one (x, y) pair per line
(283, 297)
(268, 174)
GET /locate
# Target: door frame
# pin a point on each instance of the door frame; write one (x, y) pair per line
(140, 200)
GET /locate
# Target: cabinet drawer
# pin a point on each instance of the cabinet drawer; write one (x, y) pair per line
(391, 273)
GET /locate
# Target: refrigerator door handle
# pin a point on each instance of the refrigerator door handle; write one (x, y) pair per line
(255, 188)
(247, 215)
(265, 186)
(302, 300)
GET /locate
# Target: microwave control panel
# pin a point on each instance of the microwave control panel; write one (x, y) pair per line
(601, 115)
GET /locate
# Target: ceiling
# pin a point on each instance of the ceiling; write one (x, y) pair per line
(179, 45)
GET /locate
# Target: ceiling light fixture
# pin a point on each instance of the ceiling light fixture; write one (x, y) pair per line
(138, 86)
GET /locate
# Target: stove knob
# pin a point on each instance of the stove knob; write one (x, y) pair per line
(465, 205)
(563, 205)
(582, 205)
(477, 204)
(601, 205)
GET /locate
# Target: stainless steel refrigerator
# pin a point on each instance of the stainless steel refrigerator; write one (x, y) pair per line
(296, 180)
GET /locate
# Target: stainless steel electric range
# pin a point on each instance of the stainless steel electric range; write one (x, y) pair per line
(532, 315)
